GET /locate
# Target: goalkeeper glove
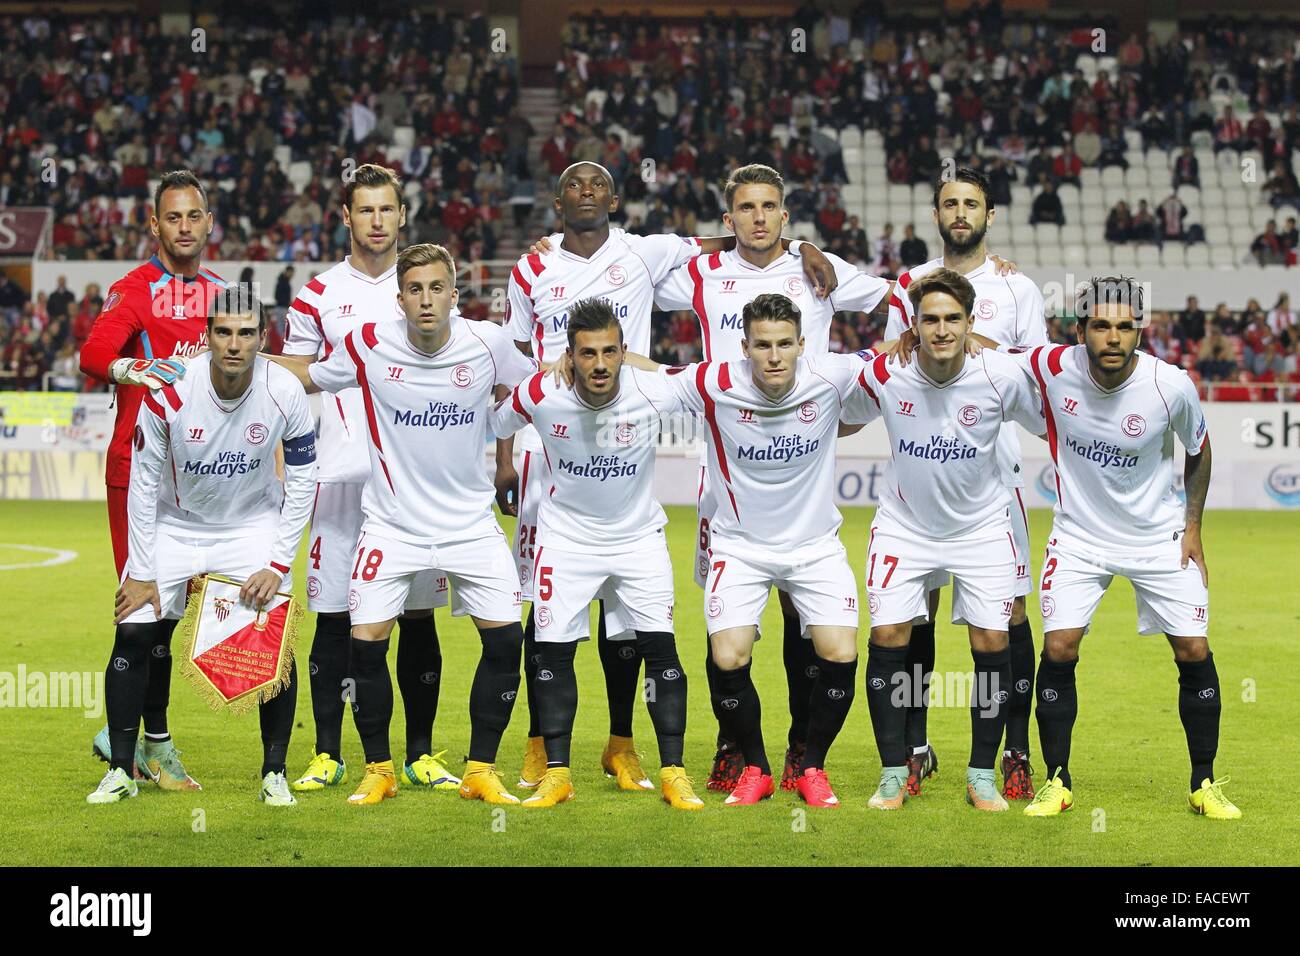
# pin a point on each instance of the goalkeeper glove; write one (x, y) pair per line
(152, 373)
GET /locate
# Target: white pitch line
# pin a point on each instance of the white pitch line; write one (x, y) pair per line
(59, 557)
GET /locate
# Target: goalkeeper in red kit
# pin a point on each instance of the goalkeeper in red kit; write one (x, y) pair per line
(153, 318)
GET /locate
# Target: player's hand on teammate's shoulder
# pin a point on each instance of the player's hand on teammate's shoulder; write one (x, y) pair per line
(133, 595)
(900, 349)
(1194, 551)
(260, 587)
(818, 270)
(151, 373)
(540, 247)
(1003, 267)
(561, 370)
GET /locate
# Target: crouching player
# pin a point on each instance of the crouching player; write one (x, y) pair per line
(941, 511)
(204, 498)
(600, 535)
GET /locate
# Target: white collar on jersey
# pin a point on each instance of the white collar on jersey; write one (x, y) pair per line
(614, 233)
(454, 320)
(392, 270)
(744, 263)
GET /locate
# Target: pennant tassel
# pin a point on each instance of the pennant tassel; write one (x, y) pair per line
(188, 629)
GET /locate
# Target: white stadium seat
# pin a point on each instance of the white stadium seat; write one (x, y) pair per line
(1047, 235)
(1148, 256)
(1198, 255)
(1112, 176)
(1237, 216)
(1124, 257)
(1050, 256)
(1135, 178)
(1094, 219)
(1072, 232)
(1099, 256)
(1224, 257)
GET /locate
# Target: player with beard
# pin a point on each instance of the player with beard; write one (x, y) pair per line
(1008, 310)
(360, 289)
(158, 309)
(591, 259)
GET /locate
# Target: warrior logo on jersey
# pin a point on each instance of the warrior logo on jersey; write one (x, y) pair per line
(255, 433)
(728, 285)
(462, 376)
(1134, 425)
(559, 431)
(905, 408)
(746, 416)
(395, 373)
(808, 412)
(616, 274)
(985, 309)
(794, 286)
(969, 415)
(1071, 406)
(345, 309)
(196, 434)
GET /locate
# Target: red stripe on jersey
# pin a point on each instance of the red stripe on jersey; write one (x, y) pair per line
(1021, 502)
(710, 415)
(173, 399)
(539, 329)
(369, 402)
(862, 380)
(519, 406)
(715, 260)
(523, 490)
(878, 369)
(368, 335)
(905, 279)
(1054, 359)
(154, 407)
(535, 262)
(897, 303)
(535, 388)
(1047, 411)
(279, 567)
(316, 286)
(697, 302)
(724, 377)
(524, 284)
(308, 309)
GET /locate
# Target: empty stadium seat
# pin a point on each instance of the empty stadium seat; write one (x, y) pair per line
(1197, 256)
(1099, 255)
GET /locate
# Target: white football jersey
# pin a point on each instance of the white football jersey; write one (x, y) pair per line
(338, 301)
(426, 422)
(943, 439)
(624, 272)
(600, 498)
(1114, 450)
(205, 466)
(773, 463)
(718, 286)
(1008, 309)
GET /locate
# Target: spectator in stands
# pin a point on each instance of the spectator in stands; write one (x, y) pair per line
(1267, 247)
(66, 368)
(1119, 223)
(557, 152)
(1067, 167)
(1224, 320)
(801, 202)
(1113, 145)
(1290, 235)
(831, 219)
(1001, 175)
(1191, 323)
(11, 294)
(854, 236)
(1258, 130)
(1172, 212)
(885, 262)
(912, 251)
(62, 300)
(924, 161)
(1291, 364)
(1228, 132)
(1047, 207)
(1282, 319)
(1257, 339)
(898, 170)
(1144, 223)
(1215, 359)
(1281, 189)
(1187, 171)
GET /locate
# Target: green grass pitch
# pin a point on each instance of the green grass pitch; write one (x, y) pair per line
(1129, 760)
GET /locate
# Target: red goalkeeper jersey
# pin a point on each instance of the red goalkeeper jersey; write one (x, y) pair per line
(146, 303)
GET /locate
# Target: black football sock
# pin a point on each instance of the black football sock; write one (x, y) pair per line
(919, 666)
(832, 696)
(557, 699)
(1021, 645)
(327, 667)
(665, 693)
(885, 673)
(419, 677)
(532, 657)
(372, 705)
(496, 684)
(990, 701)
(1200, 706)
(711, 678)
(158, 693)
(801, 665)
(125, 681)
(1056, 709)
(621, 662)
(276, 717)
(743, 715)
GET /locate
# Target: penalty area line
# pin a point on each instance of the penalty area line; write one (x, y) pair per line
(57, 556)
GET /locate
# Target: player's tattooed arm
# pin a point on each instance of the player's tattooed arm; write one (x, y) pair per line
(506, 480)
(1196, 482)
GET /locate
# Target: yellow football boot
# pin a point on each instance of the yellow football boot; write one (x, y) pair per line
(556, 787)
(1211, 802)
(379, 783)
(428, 771)
(323, 771)
(1052, 799)
(534, 763)
(678, 790)
(621, 761)
(482, 782)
